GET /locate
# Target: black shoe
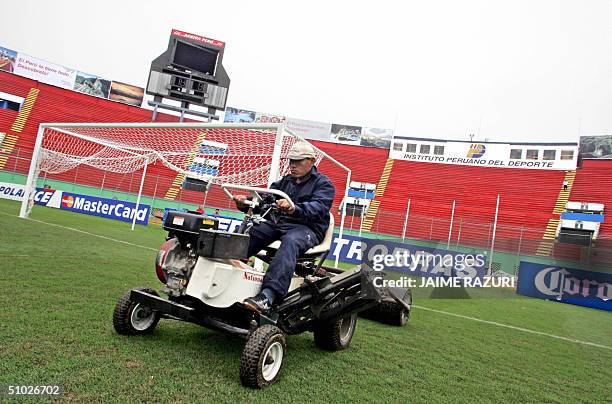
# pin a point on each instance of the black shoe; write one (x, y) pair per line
(259, 304)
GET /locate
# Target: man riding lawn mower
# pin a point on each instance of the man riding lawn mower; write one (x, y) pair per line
(208, 282)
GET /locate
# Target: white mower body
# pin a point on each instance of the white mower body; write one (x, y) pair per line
(222, 282)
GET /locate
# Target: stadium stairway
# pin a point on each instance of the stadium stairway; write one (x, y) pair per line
(548, 239)
(11, 138)
(372, 211)
(180, 177)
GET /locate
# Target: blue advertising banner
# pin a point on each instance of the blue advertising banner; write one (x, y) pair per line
(103, 207)
(50, 198)
(585, 217)
(566, 285)
(408, 258)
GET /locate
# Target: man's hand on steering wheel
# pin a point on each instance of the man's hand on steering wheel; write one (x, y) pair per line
(239, 200)
(285, 206)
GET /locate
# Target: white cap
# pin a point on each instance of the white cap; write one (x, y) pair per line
(300, 151)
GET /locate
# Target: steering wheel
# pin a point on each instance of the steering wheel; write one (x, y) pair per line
(268, 208)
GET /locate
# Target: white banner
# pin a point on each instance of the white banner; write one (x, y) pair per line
(309, 129)
(45, 72)
(13, 192)
(47, 197)
(552, 156)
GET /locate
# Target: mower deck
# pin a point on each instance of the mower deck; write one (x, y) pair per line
(179, 311)
(315, 300)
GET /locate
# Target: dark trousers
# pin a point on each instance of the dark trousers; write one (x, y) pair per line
(295, 239)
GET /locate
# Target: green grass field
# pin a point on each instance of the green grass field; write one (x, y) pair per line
(59, 288)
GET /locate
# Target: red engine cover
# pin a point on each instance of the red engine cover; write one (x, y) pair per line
(162, 254)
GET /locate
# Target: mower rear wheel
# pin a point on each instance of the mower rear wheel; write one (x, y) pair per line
(337, 334)
(394, 313)
(262, 357)
(131, 318)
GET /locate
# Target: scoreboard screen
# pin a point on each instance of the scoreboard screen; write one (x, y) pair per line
(195, 58)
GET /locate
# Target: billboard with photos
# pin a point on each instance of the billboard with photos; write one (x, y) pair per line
(376, 137)
(596, 147)
(346, 134)
(53, 74)
(126, 93)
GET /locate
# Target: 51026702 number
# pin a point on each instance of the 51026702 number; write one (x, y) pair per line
(32, 390)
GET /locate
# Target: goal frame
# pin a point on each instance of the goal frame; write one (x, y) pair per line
(274, 165)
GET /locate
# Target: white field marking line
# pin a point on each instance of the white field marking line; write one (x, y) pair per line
(85, 232)
(576, 341)
(14, 255)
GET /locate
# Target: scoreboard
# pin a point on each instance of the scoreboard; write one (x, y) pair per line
(190, 71)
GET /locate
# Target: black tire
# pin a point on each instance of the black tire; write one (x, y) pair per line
(388, 312)
(128, 322)
(394, 313)
(337, 334)
(260, 364)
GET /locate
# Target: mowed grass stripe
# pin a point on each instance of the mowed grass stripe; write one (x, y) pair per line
(55, 327)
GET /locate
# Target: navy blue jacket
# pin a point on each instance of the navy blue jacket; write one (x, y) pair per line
(312, 198)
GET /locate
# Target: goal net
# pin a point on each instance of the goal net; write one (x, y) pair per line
(153, 160)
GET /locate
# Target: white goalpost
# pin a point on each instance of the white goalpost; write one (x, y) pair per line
(215, 153)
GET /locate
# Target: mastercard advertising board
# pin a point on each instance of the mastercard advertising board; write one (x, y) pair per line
(85, 204)
(103, 207)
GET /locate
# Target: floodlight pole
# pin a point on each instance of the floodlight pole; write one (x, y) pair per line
(450, 228)
(361, 220)
(406, 220)
(365, 197)
(144, 173)
(31, 182)
(493, 240)
(208, 186)
(348, 183)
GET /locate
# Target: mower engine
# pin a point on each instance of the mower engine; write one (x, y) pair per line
(174, 265)
(177, 256)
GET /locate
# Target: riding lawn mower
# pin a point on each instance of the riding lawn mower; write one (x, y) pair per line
(207, 276)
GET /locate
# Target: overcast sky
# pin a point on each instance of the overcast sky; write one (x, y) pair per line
(503, 70)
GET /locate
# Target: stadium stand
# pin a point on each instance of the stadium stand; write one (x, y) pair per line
(433, 187)
(529, 198)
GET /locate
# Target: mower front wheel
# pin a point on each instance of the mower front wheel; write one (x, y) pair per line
(262, 357)
(131, 318)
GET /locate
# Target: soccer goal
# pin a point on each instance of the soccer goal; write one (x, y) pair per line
(141, 160)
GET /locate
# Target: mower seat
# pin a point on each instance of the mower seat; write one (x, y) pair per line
(313, 252)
